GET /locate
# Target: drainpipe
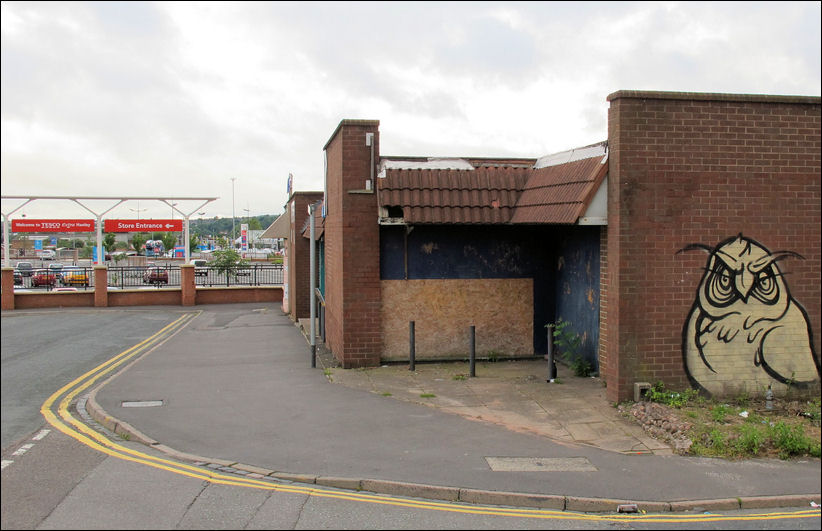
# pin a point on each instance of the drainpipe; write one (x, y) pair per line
(313, 303)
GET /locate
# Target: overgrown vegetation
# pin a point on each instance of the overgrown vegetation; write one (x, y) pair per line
(742, 427)
(569, 344)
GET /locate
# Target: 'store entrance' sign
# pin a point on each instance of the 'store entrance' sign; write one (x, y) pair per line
(142, 225)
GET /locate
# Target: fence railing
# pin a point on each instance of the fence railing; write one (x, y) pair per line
(68, 278)
(252, 275)
(159, 276)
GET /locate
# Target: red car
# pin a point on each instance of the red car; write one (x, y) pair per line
(43, 277)
(155, 275)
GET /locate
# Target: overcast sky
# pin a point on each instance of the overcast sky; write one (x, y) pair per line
(175, 99)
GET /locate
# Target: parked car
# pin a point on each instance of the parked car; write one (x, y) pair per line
(47, 254)
(74, 276)
(57, 269)
(155, 275)
(18, 278)
(200, 266)
(43, 277)
(25, 268)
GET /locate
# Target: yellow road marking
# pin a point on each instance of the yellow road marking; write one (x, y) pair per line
(86, 435)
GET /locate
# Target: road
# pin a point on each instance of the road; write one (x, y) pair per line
(63, 471)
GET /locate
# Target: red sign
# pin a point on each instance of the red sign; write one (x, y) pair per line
(52, 225)
(142, 225)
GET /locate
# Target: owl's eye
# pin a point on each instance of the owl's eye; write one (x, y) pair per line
(766, 289)
(720, 287)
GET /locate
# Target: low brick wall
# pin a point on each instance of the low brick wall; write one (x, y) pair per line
(237, 295)
(59, 299)
(144, 297)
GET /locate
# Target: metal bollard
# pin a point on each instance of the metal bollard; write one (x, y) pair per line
(472, 360)
(412, 354)
(552, 368)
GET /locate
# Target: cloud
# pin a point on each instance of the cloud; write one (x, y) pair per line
(136, 98)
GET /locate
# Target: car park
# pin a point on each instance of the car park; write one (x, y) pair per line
(43, 277)
(25, 268)
(57, 269)
(74, 276)
(200, 266)
(155, 275)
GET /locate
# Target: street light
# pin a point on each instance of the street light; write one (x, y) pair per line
(138, 210)
(233, 232)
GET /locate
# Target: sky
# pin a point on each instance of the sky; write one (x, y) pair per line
(128, 99)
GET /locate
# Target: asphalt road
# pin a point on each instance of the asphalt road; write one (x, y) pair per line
(46, 349)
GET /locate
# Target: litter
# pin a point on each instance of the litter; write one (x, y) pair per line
(814, 504)
(744, 414)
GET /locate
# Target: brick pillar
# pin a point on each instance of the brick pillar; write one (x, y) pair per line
(7, 294)
(352, 245)
(100, 286)
(299, 256)
(187, 285)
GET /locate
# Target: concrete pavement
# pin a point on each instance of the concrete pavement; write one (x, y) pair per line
(239, 394)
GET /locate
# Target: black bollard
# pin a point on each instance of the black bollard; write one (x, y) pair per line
(412, 354)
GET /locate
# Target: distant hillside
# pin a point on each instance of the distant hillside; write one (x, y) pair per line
(218, 225)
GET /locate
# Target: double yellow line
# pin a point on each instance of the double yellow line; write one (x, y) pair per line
(61, 419)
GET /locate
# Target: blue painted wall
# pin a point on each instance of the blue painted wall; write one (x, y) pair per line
(563, 262)
(577, 287)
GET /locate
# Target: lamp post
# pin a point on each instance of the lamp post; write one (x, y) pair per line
(233, 233)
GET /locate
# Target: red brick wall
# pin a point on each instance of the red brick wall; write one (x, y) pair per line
(696, 168)
(299, 256)
(352, 257)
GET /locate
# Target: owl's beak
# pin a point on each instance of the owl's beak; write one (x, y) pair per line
(744, 281)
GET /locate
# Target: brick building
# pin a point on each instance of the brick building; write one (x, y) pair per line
(685, 248)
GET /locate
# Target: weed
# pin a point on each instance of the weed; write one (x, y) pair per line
(658, 393)
(125, 436)
(720, 412)
(386, 393)
(493, 356)
(459, 377)
(428, 395)
(791, 441)
(750, 439)
(743, 399)
(569, 344)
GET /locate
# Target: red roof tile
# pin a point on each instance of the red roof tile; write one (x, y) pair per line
(493, 193)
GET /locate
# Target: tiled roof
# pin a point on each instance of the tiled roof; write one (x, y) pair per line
(485, 195)
(560, 193)
(495, 191)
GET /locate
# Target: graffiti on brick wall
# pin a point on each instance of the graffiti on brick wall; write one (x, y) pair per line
(745, 332)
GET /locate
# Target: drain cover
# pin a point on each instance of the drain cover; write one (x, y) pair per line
(540, 464)
(142, 403)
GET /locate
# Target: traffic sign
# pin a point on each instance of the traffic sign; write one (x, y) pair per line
(52, 225)
(142, 225)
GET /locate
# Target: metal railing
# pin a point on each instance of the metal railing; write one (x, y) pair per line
(80, 278)
(251, 275)
(159, 276)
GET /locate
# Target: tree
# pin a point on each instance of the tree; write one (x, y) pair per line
(138, 240)
(227, 261)
(169, 240)
(109, 241)
(254, 224)
(193, 243)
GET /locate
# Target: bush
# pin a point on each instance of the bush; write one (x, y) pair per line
(674, 399)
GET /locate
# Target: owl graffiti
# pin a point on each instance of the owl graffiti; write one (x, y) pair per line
(745, 332)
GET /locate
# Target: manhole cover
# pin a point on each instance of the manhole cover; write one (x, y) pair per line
(142, 403)
(540, 464)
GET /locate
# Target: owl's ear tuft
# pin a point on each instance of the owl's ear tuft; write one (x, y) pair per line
(695, 247)
(781, 255)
